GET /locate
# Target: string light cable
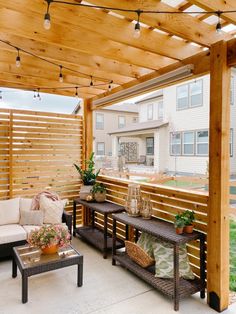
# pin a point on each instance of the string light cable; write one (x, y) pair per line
(137, 11)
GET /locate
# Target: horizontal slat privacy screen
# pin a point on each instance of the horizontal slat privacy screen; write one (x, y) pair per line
(37, 152)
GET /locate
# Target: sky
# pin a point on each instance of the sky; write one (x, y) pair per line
(19, 99)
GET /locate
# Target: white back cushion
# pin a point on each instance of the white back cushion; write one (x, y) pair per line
(10, 211)
(53, 210)
(25, 204)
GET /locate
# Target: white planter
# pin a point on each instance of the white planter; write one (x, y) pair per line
(85, 190)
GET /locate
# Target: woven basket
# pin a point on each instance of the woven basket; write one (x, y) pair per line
(138, 255)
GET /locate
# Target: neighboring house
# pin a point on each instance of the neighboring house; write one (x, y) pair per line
(108, 119)
(173, 128)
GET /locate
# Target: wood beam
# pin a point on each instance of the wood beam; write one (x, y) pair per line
(218, 211)
(78, 39)
(216, 5)
(116, 29)
(182, 25)
(88, 129)
(72, 57)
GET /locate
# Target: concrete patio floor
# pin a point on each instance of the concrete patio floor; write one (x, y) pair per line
(107, 289)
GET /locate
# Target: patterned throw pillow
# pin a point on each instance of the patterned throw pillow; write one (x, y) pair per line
(53, 210)
(146, 241)
(163, 253)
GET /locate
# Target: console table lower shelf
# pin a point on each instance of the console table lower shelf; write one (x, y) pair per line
(186, 287)
(95, 237)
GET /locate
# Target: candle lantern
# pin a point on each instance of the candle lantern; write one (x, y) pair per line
(133, 201)
(146, 211)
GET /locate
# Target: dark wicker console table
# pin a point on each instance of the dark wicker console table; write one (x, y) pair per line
(95, 236)
(177, 287)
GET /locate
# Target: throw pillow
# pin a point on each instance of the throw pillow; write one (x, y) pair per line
(9, 211)
(25, 204)
(52, 210)
(146, 241)
(163, 253)
(31, 217)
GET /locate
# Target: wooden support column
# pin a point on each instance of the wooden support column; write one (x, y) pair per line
(88, 129)
(218, 217)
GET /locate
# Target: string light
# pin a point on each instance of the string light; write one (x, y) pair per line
(91, 82)
(18, 64)
(110, 86)
(218, 25)
(38, 95)
(0, 95)
(76, 92)
(137, 28)
(61, 75)
(35, 94)
(47, 17)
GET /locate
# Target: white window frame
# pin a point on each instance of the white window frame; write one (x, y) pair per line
(188, 143)
(121, 125)
(150, 106)
(160, 111)
(196, 145)
(97, 122)
(150, 137)
(98, 143)
(189, 105)
(171, 144)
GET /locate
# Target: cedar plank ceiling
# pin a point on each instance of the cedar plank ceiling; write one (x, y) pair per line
(100, 43)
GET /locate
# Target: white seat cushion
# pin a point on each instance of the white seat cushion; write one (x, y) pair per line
(25, 204)
(12, 233)
(10, 211)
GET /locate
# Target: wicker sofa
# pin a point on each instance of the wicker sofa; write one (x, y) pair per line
(12, 233)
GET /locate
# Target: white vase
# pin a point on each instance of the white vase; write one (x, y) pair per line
(85, 190)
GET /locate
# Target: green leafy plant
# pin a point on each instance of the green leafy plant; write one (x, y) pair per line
(88, 175)
(188, 217)
(98, 188)
(179, 221)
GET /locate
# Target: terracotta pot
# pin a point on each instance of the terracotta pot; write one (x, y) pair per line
(85, 190)
(188, 229)
(50, 249)
(100, 197)
(179, 230)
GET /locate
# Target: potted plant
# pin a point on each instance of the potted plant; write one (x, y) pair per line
(188, 217)
(179, 224)
(99, 192)
(88, 177)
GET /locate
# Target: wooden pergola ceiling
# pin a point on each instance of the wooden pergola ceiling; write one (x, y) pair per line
(100, 43)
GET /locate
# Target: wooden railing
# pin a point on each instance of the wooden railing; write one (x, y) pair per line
(166, 203)
(37, 152)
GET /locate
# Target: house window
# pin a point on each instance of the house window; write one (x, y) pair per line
(202, 143)
(189, 95)
(160, 110)
(175, 143)
(121, 122)
(101, 148)
(150, 112)
(231, 143)
(188, 143)
(150, 145)
(232, 91)
(99, 121)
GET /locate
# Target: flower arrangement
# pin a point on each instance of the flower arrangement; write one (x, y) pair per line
(48, 236)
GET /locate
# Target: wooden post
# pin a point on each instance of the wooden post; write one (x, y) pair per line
(88, 129)
(11, 155)
(218, 216)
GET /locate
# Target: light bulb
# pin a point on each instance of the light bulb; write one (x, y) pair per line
(18, 61)
(137, 31)
(47, 21)
(76, 92)
(218, 28)
(109, 87)
(61, 78)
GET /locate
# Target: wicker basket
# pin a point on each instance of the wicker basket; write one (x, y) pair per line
(138, 255)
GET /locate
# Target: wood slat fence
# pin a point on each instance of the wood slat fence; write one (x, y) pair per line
(37, 152)
(166, 203)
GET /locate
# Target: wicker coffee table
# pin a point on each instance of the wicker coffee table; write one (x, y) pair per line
(30, 262)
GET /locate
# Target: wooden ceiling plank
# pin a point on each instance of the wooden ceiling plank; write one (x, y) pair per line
(218, 5)
(119, 30)
(182, 25)
(78, 39)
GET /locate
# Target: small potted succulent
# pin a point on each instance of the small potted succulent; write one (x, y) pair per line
(179, 224)
(88, 177)
(99, 192)
(188, 217)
